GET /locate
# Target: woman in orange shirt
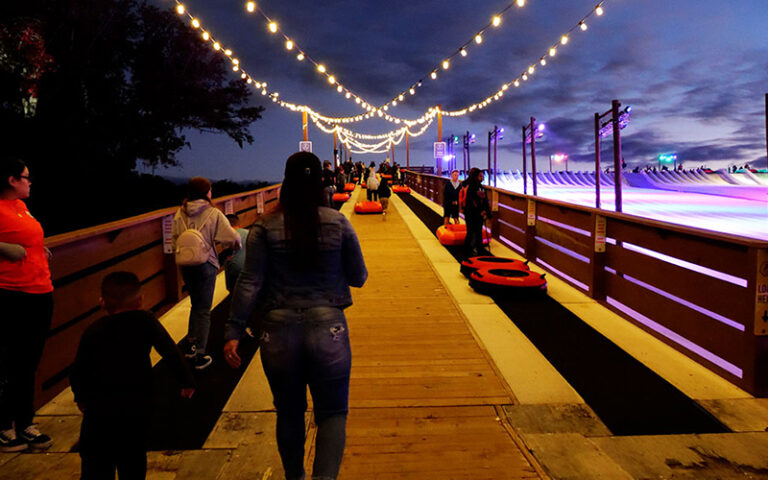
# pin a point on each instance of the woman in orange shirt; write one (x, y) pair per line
(26, 303)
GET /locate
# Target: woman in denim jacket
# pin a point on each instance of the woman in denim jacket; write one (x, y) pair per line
(300, 262)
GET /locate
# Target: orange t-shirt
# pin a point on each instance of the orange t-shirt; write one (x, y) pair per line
(31, 273)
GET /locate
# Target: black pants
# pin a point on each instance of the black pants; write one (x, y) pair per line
(373, 195)
(114, 442)
(473, 242)
(23, 330)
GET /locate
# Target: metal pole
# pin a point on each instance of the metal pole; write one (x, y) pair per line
(495, 145)
(407, 150)
(615, 105)
(525, 163)
(469, 157)
(335, 146)
(533, 154)
(597, 160)
(550, 164)
(766, 129)
(439, 124)
(490, 139)
(304, 125)
(393, 153)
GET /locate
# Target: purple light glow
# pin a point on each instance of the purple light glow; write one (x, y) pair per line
(560, 274)
(680, 340)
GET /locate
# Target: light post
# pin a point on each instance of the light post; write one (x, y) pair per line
(530, 133)
(493, 138)
(617, 121)
(557, 158)
(468, 139)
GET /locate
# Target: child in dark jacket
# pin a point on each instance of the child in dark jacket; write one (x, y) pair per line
(112, 381)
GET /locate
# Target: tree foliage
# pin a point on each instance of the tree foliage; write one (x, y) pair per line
(115, 82)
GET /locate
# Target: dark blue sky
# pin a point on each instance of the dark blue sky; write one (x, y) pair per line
(694, 71)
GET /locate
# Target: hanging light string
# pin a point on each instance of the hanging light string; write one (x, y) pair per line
(274, 96)
(290, 45)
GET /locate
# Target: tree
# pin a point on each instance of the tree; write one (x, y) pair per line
(117, 82)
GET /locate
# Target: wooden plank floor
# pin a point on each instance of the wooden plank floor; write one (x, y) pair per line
(425, 399)
(424, 395)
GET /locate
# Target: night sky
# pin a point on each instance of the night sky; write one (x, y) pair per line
(694, 71)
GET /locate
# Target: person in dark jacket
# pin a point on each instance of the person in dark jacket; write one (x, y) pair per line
(329, 187)
(299, 264)
(477, 210)
(384, 193)
(451, 199)
(112, 381)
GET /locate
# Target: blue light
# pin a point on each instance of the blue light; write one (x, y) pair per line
(542, 126)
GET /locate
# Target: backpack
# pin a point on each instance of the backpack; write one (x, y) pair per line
(191, 247)
(463, 197)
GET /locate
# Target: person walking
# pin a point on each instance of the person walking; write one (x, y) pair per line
(372, 186)
(198, 213)
(476, 211)
(300, 262)
(451, 199)
(26, 296)
(384, 193)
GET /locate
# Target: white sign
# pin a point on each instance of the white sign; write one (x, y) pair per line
(439, 149)
(305, 147)
(167, 234)
(260, 203)
(229, 207)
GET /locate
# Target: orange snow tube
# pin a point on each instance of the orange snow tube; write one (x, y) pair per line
(349, 187)
(368, 207)
(387, 176)
(474, 264)
(340, 197)
(507, 281)
(453, 235)
(401, 189)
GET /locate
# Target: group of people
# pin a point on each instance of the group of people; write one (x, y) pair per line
(292, 271)
(471, 198)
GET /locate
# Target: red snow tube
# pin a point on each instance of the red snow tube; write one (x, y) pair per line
(349, 187)
(368, 207)
(340, 197)
(474, 264)
(363, 185)
(401, 189)
(387, 176)
(507, 281)
(355, 179)
(453, 235)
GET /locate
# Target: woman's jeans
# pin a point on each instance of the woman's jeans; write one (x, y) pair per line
(200, 281)
(300, 348)
(23, 330)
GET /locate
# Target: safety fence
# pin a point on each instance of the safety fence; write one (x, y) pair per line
(704, 293)
(140, 244)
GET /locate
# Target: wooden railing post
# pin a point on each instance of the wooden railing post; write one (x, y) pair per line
(597, 259)
(756, 375)
(530, 230)
(495, 233)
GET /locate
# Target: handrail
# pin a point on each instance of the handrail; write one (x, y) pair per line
(704, 293)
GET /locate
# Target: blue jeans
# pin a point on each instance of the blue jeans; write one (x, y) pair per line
(200, 281)
(300, 348)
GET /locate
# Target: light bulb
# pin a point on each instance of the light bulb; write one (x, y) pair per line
(180, 9)
(446, 64)
(401, 97)
(496, 21)
(583, 26)
(520, 3)
(331, 79)
(505, 87)
(599, 10)
(300, 57)
(321, 68)
(216, 46)
(564, 39)
(478, 39)
(249, 81)
(517, 83)
(228, 52)
(273, 27)
(463, 52)
(243, 76)
(543, 61)
(235, 68)
(250, 6)
(288, 45)
(433, 75)
(339, 89)
(206, 36)
(412, 91)
(531, 69)
(552, 52)
(357, 100)
(525, 77)
(235, 61)
(195, 23)
(348, 95)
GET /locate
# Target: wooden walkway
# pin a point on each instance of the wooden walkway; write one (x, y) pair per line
(425, 397)
(426, 400)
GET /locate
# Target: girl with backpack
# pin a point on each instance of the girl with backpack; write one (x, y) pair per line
(197, 226)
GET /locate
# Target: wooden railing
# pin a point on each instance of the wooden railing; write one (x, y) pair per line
(704, 293)
(82, 258)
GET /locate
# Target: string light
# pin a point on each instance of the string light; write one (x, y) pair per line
(371, 110)
(583, 26)
(195, 23)
(273, 27)
(478, 39)
(300, 57)
(496, 21)
(180, 9)
(446, 64)
(288, 45)
(250, 6)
